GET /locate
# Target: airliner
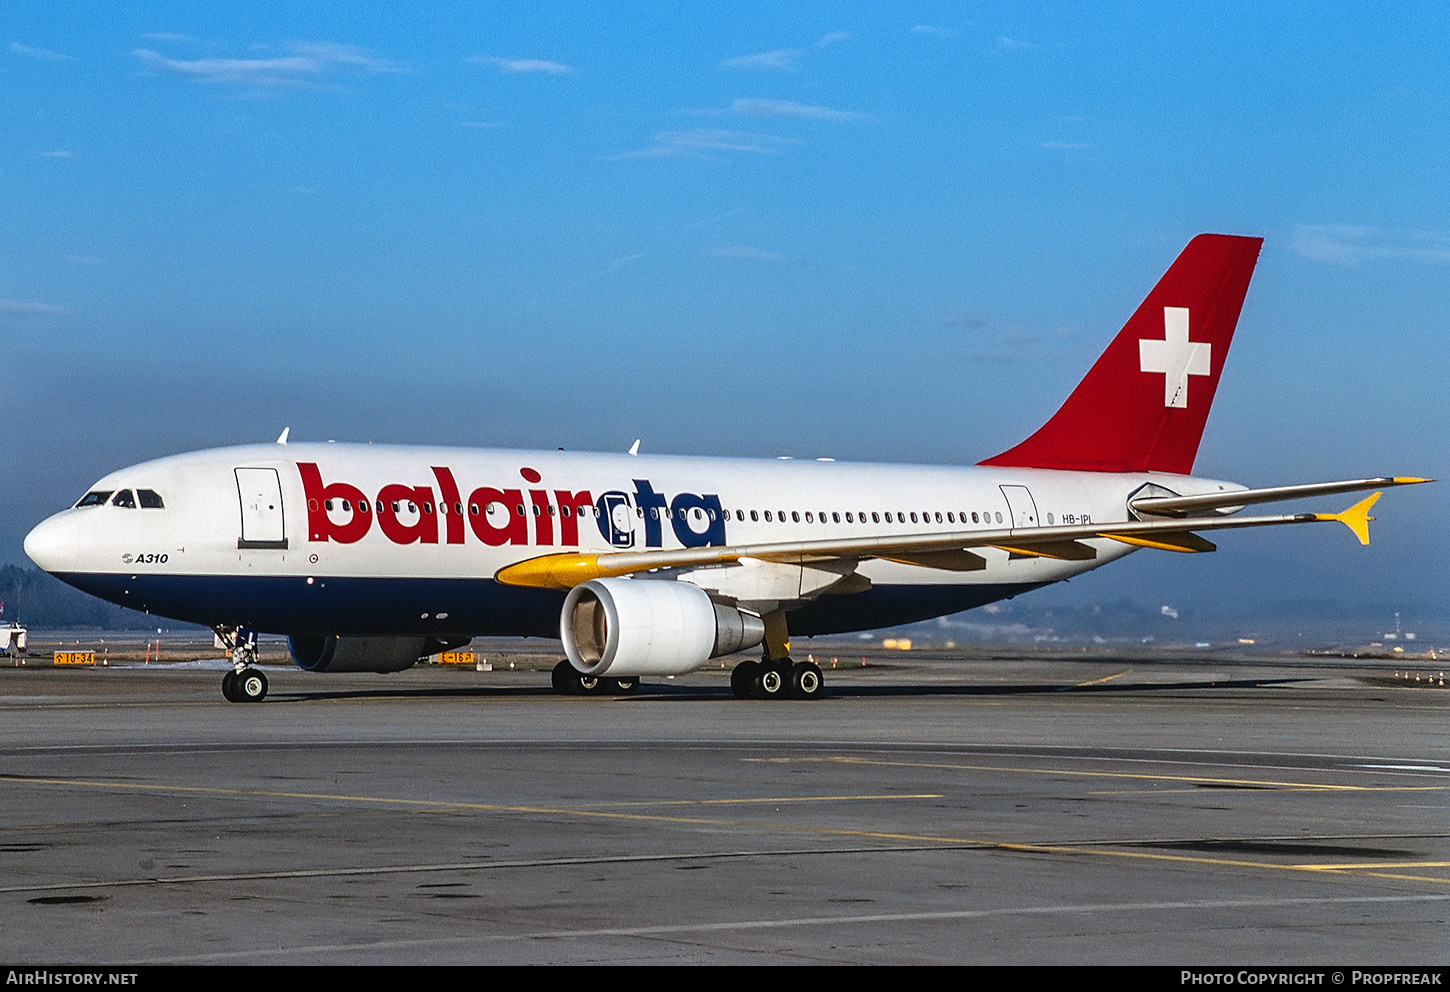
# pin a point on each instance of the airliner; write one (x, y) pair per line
(370, 558)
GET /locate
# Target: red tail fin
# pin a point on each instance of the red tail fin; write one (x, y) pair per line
(1143, 405)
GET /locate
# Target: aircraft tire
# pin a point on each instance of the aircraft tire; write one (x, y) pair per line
(565, 679)
(742, 679)
(251, 686)
(623, 687)
(229, 688)
(772, 681)
(806, 681)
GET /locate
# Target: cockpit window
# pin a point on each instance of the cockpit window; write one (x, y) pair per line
(150, 500)
(124, 498)
(96, 498)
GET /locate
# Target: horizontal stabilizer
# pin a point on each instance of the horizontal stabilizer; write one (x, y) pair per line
(1356, 518)
(1181, 506)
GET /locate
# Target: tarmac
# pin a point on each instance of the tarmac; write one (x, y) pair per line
(980, 809)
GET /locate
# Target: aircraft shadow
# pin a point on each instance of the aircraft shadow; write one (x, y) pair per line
(663, 692)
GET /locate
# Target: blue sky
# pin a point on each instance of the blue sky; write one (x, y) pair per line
(885, 233)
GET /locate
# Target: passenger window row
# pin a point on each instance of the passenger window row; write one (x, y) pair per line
(876, 516)
(795, 516)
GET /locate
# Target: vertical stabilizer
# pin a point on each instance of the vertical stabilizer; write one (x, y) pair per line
(1143, 405)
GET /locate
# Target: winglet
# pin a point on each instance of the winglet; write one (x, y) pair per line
(282, 438)
(634, 448)
(1356, 518)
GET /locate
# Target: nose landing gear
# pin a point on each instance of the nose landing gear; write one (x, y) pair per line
(245, 683)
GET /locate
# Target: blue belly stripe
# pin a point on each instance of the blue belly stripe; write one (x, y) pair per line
(464, 607)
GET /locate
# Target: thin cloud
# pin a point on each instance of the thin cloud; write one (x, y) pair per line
(614, 266)
(40, 53)
(309, 65)
(759, 107)
(333, 54)
(933, 30)
(1348, 244)
(525, 65)
(31, 308)
(783, 59)
(787, 59)
(291, 71)
(702, 142)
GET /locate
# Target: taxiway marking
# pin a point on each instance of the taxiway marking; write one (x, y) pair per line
(597, 812)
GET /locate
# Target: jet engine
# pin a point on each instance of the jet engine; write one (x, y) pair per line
(627, 627)
(322, 653)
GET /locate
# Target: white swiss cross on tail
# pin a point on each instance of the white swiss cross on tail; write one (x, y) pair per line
(1175, 357)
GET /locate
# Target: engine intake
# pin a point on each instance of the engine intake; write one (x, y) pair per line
(623, 627)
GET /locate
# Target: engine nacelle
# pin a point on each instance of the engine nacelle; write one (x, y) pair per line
(624, 627)
(321, 653)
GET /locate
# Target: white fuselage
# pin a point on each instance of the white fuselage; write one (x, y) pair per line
(377, 539)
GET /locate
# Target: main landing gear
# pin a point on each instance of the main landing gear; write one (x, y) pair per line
(569, 681)
(777, 679)
(245, 683)
(775, 676)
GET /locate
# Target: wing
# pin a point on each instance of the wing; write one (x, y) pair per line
(953, 550)
(1182, 506)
